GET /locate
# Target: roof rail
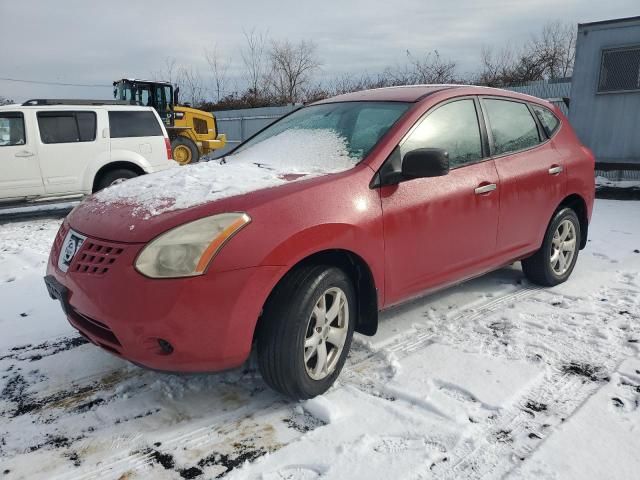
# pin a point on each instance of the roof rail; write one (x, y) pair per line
(56, 101)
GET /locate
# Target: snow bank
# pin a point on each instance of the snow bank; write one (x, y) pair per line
(306, 153)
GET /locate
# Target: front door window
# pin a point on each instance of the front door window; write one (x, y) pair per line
(452, 127)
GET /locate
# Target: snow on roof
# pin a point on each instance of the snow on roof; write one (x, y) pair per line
(308, 153)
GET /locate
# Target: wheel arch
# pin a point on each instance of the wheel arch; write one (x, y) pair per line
(578, 205)
(115, 166)
(363, 281)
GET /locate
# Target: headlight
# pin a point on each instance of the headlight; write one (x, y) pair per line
(187, 250)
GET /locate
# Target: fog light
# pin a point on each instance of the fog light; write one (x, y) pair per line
(165, 346)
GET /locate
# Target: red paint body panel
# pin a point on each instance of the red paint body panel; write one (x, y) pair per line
(529, 196)
(438, 230)
(415, 236)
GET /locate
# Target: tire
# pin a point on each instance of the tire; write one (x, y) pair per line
(184, 151)
(289, 330)
(541, 268)
(112, 177)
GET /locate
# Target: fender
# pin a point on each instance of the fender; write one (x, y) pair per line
(327, 237)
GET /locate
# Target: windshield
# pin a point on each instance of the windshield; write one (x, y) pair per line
(139, 95)
(122, 92)
(358, 124)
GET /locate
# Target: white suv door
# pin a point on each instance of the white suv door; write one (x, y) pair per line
(19, 169)
(68, 141)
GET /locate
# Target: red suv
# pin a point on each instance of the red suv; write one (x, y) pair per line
(304, 232)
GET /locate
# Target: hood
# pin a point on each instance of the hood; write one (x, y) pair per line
(140, 208)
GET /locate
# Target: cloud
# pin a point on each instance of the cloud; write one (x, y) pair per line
(78, 41)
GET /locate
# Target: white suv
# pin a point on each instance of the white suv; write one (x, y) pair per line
(53, 148)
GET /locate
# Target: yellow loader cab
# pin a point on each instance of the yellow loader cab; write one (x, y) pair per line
(192, 132)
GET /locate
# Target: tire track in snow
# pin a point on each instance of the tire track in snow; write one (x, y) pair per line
(503, 440)
(512, 436)
(518, 430)
(407, 345)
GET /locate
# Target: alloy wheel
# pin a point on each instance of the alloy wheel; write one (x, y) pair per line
(563, 247)
(326, 333)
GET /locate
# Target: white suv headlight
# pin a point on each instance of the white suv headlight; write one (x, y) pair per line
(187, 250)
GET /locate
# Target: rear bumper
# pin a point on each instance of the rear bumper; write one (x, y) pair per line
(208, 321)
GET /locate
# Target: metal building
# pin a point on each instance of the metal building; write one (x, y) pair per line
(605, 92)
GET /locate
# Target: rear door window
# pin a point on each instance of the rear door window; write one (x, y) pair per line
(549, 121)
(130, 123)
(511, 125)
(12, 129)
(67, 127)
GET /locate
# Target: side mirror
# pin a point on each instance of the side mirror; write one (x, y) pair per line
(425, 162)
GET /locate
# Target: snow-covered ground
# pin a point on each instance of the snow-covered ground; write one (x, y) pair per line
(493, 378)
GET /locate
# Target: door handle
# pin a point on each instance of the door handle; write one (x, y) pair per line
(25, 153)
(555, 170)
(485, 189)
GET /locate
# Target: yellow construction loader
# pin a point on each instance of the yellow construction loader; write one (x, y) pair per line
(192, 132)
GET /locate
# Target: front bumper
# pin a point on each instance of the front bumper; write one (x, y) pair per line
(209, 320)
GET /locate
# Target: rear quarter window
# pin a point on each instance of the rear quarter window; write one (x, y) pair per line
(134, 124)
(512, 126)
(549, 121)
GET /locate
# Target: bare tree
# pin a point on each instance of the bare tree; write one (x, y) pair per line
(291, 68)
(5, 100)
(346, 83)
(495, 66)
(556, 47)
(427, 69)
(169, 72)
(549, 55)
(431, 68)
(254, 59)
(193, 86)
(219, 66)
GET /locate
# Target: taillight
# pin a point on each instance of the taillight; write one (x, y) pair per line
(167, 144)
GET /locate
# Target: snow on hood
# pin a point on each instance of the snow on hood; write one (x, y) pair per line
(292, 154)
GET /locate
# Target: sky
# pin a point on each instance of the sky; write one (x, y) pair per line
(94, 43)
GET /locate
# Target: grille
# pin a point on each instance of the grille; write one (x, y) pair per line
(96, 257)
